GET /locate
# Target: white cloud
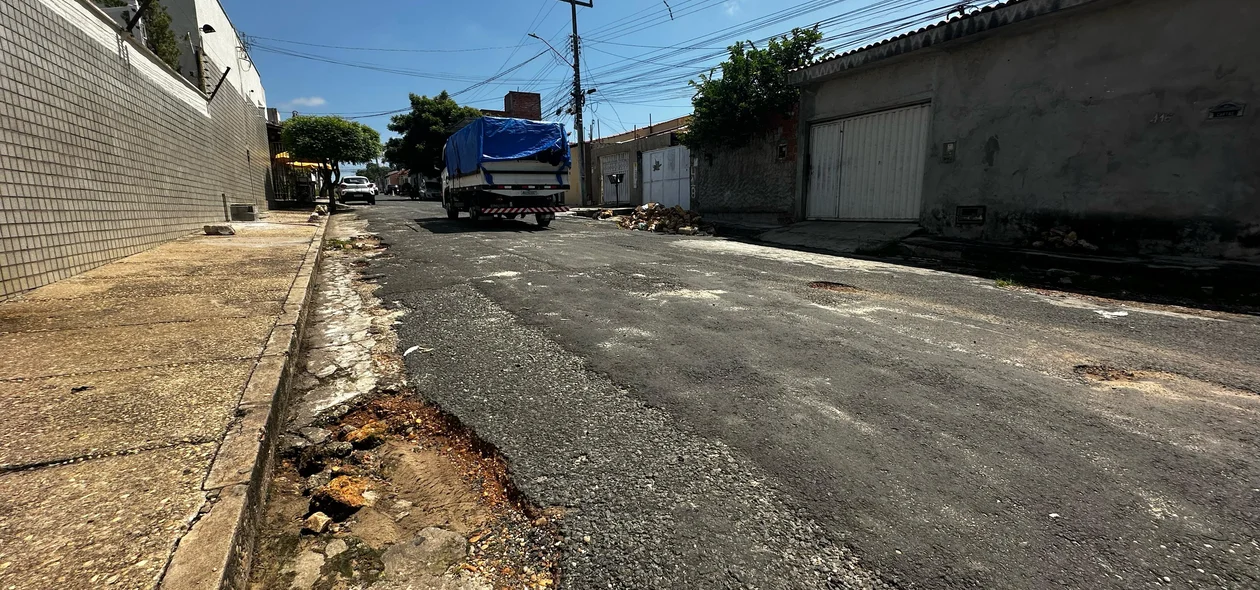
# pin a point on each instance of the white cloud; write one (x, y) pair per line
(306, 101)
(731, 7)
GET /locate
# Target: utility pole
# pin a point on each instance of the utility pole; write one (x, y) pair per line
(579, 98)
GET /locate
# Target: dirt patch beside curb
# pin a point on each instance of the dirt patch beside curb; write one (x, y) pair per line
(377, 488)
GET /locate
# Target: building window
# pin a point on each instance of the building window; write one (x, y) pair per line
(969, 215)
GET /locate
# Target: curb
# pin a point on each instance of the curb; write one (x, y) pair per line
(215, 553)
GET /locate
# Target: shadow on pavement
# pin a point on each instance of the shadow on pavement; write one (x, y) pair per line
(1208, 290)
(442, 225)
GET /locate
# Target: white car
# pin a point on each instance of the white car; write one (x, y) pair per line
(356, 188)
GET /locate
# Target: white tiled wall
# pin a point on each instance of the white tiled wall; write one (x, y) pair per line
(104, 153)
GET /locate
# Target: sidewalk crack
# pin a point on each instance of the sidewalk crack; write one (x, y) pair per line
(226, 359)
(12, 467)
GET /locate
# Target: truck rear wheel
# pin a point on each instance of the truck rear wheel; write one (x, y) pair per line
(452, 212)
(474, 213)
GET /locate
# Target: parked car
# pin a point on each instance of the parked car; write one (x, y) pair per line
(356, 188)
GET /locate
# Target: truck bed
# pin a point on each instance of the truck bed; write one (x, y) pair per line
(518, 178)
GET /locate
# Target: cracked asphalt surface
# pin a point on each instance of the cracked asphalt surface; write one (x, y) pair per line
(708, 420)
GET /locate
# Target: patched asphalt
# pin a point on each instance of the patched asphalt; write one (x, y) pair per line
(708, 419)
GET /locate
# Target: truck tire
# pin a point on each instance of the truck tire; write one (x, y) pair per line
(452, 212)
(543, 219)
(474, 213)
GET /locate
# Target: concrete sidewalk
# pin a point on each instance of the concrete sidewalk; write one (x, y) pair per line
(136, 404)
(841, 237)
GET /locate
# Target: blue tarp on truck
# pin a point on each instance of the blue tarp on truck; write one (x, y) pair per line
(498, 139)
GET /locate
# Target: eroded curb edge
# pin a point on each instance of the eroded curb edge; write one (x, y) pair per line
(215, 553)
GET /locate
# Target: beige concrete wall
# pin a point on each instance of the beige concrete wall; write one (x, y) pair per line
(751, 183)
(1096, 118)
(104, 151)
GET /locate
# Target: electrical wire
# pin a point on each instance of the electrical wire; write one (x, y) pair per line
(253, 38)
(642, 82)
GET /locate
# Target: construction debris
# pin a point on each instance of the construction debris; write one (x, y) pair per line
(656, 217)
(317, 523)
(219, 230)
(340, 497)
(1062, 237)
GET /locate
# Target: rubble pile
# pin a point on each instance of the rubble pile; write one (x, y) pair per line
(1062, 237)
(659, 218)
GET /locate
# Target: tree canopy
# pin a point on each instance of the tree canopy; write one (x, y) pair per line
(752, 89)
(423, 131)
(329, 140)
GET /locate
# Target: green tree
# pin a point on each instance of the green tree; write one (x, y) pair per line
(330, 141)
(159, 37)
(423, 132)
(374, 172)
(752, 89)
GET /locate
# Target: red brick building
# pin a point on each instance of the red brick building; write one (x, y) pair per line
(519, 105)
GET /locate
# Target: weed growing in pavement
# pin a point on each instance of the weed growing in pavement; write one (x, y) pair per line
(1006, 283)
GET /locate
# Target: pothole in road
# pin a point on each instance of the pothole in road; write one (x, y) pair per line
(375, 488)
(394, 474)
(1162, 383)
(1104, 373)
(835, 287)
(355, 242)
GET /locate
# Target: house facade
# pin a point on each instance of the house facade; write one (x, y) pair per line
(1125, 126)
(641, 166)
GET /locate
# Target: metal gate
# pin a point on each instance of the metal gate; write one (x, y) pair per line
(614, 193)
(869, 167)
(824, 171)
(667, 176)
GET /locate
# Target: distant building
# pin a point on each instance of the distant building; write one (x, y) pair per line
(618, 176)
(519, 105)
(209, 44)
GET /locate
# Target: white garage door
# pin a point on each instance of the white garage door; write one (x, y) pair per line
(667, 176)
(822, 200)
(614, 194)
(873, 170)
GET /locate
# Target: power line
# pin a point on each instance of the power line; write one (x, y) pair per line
(528, 30)
(641, 85)
(644, 80)
(387, 49)
(446, 76)
(457, 92)
(649, 46)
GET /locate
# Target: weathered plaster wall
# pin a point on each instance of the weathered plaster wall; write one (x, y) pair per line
(751, 183)
(1094, 118)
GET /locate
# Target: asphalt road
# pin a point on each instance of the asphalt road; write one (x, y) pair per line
(709, 420)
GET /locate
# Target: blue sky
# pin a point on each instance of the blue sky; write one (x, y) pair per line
(636, 56)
